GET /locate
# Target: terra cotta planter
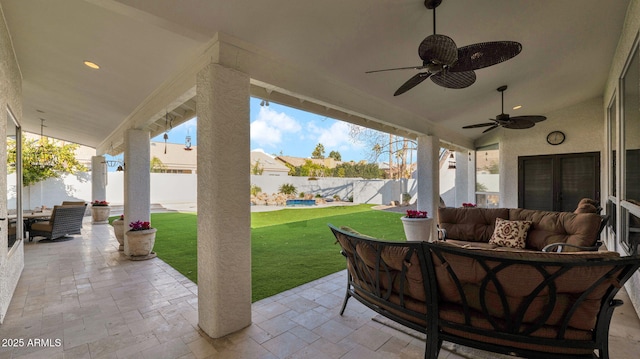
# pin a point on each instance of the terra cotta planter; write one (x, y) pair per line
(118, 230)
(139, 243)
(100, 214)
(417, 229)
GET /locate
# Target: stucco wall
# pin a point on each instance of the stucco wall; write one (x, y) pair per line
(11, 262)
(582, 124)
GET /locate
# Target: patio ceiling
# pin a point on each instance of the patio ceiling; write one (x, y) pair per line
(142, 44)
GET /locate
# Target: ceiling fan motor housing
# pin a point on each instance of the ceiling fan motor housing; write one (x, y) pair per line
(502, 118)
(432, 4)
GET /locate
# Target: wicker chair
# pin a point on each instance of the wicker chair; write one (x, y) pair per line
(65, 220)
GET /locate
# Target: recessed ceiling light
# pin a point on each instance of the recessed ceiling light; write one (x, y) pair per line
(517, 107)
(92, 65)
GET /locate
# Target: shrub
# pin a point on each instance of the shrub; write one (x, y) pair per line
(288, 188)
(301, 195)
(318, 195)
(350, 199)
(336, 197)
(255, 190)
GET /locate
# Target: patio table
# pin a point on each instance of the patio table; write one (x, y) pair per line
(31, 217)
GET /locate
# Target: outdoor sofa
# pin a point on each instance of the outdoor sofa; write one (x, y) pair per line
(529, 229)
(527, 303)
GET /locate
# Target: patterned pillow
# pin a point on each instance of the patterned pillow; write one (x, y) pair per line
(511, 234)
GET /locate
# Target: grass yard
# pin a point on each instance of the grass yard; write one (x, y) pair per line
(289, 247)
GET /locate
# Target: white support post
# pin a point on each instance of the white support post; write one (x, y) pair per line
(224, 216)
(137, 194)
(429, 177)
(98, 178)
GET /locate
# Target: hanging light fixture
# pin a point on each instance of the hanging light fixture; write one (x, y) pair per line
(112, 162)
(452, 161)
(43, 158)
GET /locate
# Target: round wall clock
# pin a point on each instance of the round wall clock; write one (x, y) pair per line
(555, 137)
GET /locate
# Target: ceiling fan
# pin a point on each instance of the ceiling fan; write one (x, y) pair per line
(450, 66)
(503, 119)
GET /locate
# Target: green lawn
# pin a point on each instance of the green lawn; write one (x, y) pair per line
(289, 247)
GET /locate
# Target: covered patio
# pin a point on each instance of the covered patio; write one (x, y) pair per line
(97, 304)
(155, 63)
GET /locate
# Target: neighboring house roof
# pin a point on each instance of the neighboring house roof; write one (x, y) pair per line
(299, 161)
(176, 157)
(267, 162)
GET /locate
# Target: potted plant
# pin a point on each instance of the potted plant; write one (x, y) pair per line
(417, 225)
(139, 240)
(100, 211)
(118, 230)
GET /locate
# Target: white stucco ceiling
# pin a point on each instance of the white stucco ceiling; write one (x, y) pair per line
(568, 46)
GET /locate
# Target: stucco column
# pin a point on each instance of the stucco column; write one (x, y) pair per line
(98, 178)
(463, 179)
(429, 176)
(137, 194)
(224, 215)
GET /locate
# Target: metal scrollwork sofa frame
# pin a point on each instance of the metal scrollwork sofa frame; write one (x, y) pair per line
(530, 304)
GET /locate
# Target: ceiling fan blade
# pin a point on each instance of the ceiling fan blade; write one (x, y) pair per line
(490, 128)
(485, 54)
(454, 80)
(412, 82)
(397, 68)
(480, 125)
(438, 49)
(530, 118)
(519, 124)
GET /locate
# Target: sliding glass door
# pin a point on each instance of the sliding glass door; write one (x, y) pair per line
(14, 180)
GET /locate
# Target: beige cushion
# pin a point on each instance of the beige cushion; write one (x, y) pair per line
(42, 226)
(586, 208)
(74, 203)
(512, 234)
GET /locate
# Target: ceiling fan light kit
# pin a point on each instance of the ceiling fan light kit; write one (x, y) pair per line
(452, 67)
(504, 120)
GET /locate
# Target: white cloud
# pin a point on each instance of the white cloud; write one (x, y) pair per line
(335, 137)
(270, 126)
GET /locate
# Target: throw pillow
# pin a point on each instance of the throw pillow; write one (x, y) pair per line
(511, 234)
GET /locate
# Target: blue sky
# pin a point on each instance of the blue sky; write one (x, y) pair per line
(277, 129)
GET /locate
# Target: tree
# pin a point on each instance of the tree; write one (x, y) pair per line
(156, 165)
(360, 169)
(318, 152)
(310, 169)
(60, 158)
(257, 168)
(398, 149)
(335, 155)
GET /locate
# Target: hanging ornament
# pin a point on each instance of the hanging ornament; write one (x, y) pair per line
(168, 125)
(166, 137)
(187, 142)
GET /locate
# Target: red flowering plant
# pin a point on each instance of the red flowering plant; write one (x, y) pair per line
(98, 203)
(139, 225)
(411, 213)
(469, 205)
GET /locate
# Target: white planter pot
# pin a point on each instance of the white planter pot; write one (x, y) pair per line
(417, 229)
(139, 243)
(100, 214)
(118, 230)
